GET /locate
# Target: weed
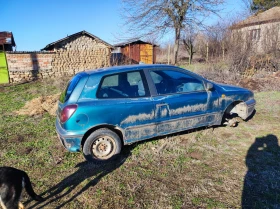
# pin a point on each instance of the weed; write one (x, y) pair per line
(176, 202)
(130, 201)
(208, 202)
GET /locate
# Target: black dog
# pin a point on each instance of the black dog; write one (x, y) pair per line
(11, 183)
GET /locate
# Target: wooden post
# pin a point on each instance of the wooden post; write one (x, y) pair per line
(168, 57)
(223, 48)
(190, 54)
(129, 53)
(207, 51)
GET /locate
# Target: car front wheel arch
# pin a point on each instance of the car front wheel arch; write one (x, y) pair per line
(230, 116)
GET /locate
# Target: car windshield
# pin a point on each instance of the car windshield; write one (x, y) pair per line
(69, 89)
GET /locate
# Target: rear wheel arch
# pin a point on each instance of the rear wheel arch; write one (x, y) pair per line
(110, 127)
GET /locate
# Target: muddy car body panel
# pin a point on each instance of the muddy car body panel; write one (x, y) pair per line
(144, 101)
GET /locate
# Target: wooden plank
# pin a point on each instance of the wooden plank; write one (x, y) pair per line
(146, 53)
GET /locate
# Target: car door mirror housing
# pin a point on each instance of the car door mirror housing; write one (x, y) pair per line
(209, 86)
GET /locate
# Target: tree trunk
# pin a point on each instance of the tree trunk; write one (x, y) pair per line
(207, 51)
(168, 56)
(191, 52)
(176, 46)
(190, 58)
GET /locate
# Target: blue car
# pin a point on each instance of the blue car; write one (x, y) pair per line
(102, 110)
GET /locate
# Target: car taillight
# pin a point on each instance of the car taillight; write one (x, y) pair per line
(67, 112)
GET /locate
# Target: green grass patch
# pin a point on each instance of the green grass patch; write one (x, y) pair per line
(208, 202)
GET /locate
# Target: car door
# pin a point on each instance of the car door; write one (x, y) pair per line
(130, 105)
(182, 101)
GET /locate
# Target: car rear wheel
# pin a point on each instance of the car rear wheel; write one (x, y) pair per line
(102, 145)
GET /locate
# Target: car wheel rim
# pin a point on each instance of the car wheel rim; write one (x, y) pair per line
(103, 147)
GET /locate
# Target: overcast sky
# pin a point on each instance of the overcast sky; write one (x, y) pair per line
(36, 23)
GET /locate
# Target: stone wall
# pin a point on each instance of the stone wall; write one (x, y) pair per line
(265, 39)
(69, 57)
(79, 54)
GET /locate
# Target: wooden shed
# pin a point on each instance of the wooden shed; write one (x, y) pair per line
(7, 41)
(138, 51)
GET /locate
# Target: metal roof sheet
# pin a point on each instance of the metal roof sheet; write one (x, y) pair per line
(132, 42)
(7, 38)
(271, 15)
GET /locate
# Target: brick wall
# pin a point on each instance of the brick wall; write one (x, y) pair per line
(26, 66)
(69, 57)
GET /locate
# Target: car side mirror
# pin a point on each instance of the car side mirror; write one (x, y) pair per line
(209, 86)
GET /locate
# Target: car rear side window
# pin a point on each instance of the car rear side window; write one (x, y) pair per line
(123, 85)
(69, 89)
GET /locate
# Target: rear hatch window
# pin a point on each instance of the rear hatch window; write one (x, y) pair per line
(69, 89)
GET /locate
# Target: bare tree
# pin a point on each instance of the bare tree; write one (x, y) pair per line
(188, 37)
(145, 17)
(218, 37)
(248, 5)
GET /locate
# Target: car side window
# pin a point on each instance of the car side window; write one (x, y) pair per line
(110, 81)
(171, 81)
(156, 77)
(123, 85)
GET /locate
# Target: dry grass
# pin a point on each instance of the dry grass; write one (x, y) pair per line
(205, 168)
(40, 105)
(257, 81)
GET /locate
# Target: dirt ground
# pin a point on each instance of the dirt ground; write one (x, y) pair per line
(38, 106)
(262, 83)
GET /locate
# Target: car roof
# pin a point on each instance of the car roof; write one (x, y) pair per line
(124, 68)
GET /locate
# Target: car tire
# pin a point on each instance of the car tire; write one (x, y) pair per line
(102, 146)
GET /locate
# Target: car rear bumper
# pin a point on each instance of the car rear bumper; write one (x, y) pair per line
(69, 140)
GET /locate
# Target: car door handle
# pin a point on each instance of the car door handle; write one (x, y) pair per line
(161, 104)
